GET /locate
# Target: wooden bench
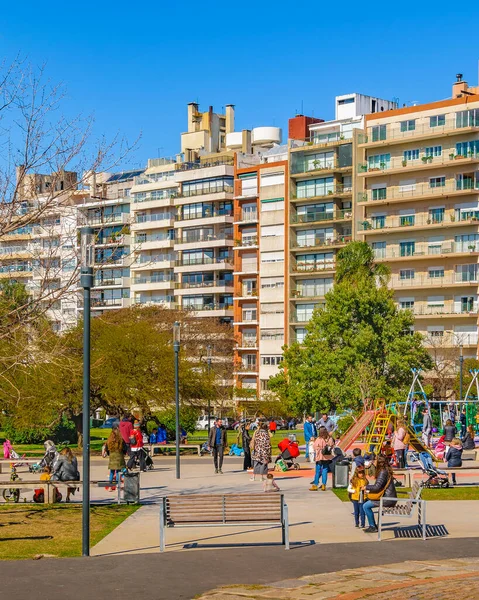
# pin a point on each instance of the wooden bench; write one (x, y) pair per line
(404, 507)
(154, 447)
(216, 510)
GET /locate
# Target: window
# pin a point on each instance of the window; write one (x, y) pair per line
(468, 242)
(406, 303)
(436, 215)
(467, 181)
(379, 249)
(378, 222)
(300, 334)
(271, 231)
(407, 125)
(315, 262)
(466, 149)
(433, 151)
(467, 118)
(272, 334)
(467, 304)
(320, 160)
(435, 182)
(311, 288)
(405, 274)
(346, 100)
(304, 312)
(407, 248)
(271, 360)
(272, 257)
(436, 272)
(273, 204)
(315, 187)
(378, 133)
(411, 154)
(466, 272)
(437, 121)
(379, 161)
(313, 237)
(406, 220)
(379, 193)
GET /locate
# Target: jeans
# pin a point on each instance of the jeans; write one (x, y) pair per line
(321, 471)
(218, 452)
(401, 458)
(114, 476)
(368, 511)
(358, 512)
(306, 452)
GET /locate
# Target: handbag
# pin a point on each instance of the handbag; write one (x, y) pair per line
(378, 495)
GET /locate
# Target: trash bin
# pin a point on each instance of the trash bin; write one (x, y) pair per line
(341, 474)
(131, 488)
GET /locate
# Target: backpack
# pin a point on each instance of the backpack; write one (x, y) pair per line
(407, 438)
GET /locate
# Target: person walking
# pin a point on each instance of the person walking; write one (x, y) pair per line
(66, 469)
(217, 443)
(115, 447)
(273, 426)
(463, 420)
(426, 428)
(126, 427)
(326, 422)
(261, 452)
(323, 450)
(383, 486)
(400, 444)
(136, 448)
(246, 443)
(310, 431)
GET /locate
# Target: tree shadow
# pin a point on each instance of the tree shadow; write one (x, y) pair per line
(27, 538)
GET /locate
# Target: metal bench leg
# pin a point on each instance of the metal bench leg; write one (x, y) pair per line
(380, 519)
(423, 519)
(162, 527)
(285, 527)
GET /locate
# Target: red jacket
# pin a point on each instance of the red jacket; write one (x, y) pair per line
(139, 438)
(126, 428)
(272, 426)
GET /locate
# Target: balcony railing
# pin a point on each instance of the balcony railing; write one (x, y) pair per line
(153, 279)
(207, 189)
(306, 293)
(446, 309)
(106, 282)
(327, 191)
(206, 214)
(16, 269)
(153, 218)
(246, 216)
(454, 339)
(322, 139)
(201, 284)
(204, 237)
(247, 342)
(429, 282)
(426, 249)
(204, 260)
(421, 129)
(396, 221)
(321, 241)
(105, 219)
(208, 307)
(245, 242)
(245, 368)
(110, 239)
(430, 161)
(421, 189)
(316, 166)
(15, 249)
(153, 237)
(310, 267)
(148, 197)
(187, 166)
(106, 302)
(315, 217)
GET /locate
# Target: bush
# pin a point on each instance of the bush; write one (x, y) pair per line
(63, 431)
(344, 423)
(188, 417)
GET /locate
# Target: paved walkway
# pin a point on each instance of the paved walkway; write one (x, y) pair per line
(420, 580)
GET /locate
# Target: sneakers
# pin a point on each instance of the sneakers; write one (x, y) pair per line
(220, 471)
(313, 488)
(216, 471)
(323, 488)
(371, 530)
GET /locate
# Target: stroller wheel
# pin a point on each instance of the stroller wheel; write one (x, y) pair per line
(296, 466)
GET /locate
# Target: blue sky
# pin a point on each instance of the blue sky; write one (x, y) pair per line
(136, 66)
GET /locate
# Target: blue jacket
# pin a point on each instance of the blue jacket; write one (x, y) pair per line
(309, 431)
(153, 438)
(161, 436)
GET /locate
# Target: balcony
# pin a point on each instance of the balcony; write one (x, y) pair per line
(449, 339)
(394, 135)
(304, 294)
(98, 303)
(321, 242)
(204, 238)
(221, 262)
(423, 281)
(427, 251)
(246, 217)
(188, 166)
(423, 221)
(316, 168)
(111, 219)
(219, 309)
(156, 218)
(246, 369)
(110, 282)
(330, 191)
(304, 267)
(206, 287)
(398, 165)
(111, 240)
(420, 191)
(447, 310)
(150, 241)
(249, 242)
(247, 268)
(207, 189)
(322, 140)
(319, 217)
(247, 343)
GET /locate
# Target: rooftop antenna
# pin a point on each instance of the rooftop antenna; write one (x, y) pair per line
(159, 149)
(302, 108)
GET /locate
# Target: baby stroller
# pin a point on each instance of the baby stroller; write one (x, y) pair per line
(235, 450)
(205, 449)
(436, 478)
(49, 459)
(289, 452)
(135, 459)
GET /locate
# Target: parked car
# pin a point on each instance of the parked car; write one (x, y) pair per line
(202, 422)
(108, 424)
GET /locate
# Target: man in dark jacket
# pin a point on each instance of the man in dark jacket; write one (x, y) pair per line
(217, 443)
(463, 420)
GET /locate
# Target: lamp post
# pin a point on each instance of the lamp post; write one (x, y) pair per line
(176, 347)
(208, 361)
(461, 370)
(86, 282)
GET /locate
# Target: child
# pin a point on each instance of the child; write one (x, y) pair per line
(454, 456)
(39, 494)
(356, 490)
(387, 450)
(311, 451)
(357, 460)
(154, 436)
(269, 484)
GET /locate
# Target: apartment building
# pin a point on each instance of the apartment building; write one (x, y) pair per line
(259, 231)
(418, 207)
(322, 155)
(41, 253)
(105, 206)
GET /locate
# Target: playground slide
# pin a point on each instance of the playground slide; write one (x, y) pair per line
(416, 442)
(356, 429)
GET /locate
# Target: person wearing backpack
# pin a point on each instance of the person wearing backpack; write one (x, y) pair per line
(323, 449)
(400, 443)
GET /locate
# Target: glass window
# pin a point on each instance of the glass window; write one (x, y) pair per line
(379, 193)
(433, 151)
(378, 133)
(467, 118)
(436, 272)
(408, 125)
(437, 121)
(378, 222)
(467, 149)
(379, 161)
(435, 182)
(411, 154)
(406, 304)
(406, 220)
(406, 274)
(315, 187)
(304, 312)
(466, 272)
(436, 215)
(300, 334)
(407, 248)
(379, 249)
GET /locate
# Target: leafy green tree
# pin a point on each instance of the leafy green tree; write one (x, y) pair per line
(359, 346)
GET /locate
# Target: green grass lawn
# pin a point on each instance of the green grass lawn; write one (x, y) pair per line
(457, 493)
(28, 530)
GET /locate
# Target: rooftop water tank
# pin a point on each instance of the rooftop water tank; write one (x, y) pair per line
(234, 140)
(266, 135)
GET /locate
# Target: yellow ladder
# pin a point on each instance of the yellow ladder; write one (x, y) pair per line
(377, 433)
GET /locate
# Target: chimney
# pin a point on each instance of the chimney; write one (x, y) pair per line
(192, 112)
(246, 147)
(230, 118)
(459, 87)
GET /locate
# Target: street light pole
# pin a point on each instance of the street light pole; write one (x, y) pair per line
(86, 282)
(461, 370)
(176, 347)
(208, 360)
